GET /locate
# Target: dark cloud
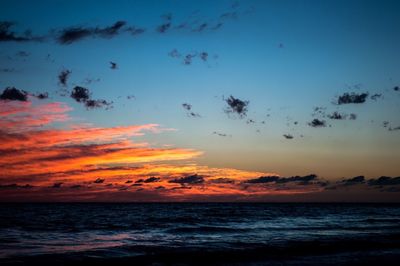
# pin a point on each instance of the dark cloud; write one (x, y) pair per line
(303, 180)
(217, 26)
(135, 31)
(42, 95)
(200, 28)
(192, 114)
(63, 77)
(128, 181)
(57, 185)
(83, 95)
(288, 136)
(187, 106)
(376, 96)
(353, 181)
(191, 179)
(204, 56)
(317, 123)
(397, 88)
(80, 94)
(337, 116)
(7, 35)
(300, 180)
(250, 121)
(91, 104)
(221, 134)
(166, 25)
(99, 181)
(76, 186)
(348, 98)
(113, 65)
(385, 124)
(352, 116)
(187, 60)
(111, 31)
(236, 106)
(152, 179)
(385, 181)
(394, 128)
(222, 180)
(74, 34)
(14, 94)
(263, 179)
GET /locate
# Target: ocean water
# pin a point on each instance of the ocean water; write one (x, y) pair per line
(257, 231)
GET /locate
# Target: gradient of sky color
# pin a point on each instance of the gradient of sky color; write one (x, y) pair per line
(284, 57)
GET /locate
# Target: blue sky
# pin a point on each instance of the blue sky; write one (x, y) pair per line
(284, 57)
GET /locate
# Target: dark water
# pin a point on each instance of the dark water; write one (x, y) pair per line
(256, 231)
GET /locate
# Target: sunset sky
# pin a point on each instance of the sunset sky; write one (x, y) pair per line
(199, 100)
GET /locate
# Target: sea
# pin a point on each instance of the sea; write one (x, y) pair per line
(199, 233)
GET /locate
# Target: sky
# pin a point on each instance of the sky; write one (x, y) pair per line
(199, 100)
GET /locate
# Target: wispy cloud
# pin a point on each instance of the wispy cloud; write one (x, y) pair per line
(73, 34)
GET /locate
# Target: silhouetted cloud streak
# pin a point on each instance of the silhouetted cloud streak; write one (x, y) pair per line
(73, 34)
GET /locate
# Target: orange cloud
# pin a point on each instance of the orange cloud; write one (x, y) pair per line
(64, 163)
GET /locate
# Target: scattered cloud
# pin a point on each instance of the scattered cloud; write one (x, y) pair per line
(7, 35)
(263, 179)
(135, 31)
(191, 179)
(221, 134)
(317, 123)
(99, 181)
(187, 106)
(166, 24)
(385, 181)
(14, 94)
(236, 106)
(80, 94)
(350, 98)
(63, 77)
(73, 34)
(337, 116)
(187, 59)
(376, 96)
(353, 181)
(83, 95)
(288, 136)
(113, 65)
(174, 53)
(189, 112)
(394, 128)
